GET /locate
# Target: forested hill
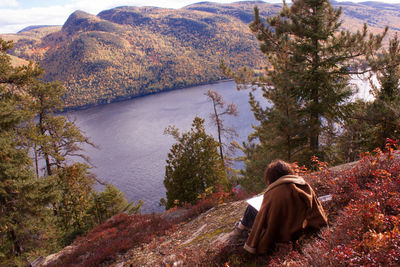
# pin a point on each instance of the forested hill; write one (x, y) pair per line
(130, 51)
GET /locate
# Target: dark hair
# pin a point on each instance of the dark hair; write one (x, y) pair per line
(277, 169)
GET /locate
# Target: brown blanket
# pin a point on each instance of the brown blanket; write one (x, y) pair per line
(289, 209)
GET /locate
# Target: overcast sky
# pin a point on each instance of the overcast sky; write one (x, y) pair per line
(18, 14)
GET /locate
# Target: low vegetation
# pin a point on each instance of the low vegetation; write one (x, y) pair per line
(363, 218)
(105, 242)
(363, 225)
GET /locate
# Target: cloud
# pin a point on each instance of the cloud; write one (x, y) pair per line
(8, 3)
(100, 5)
(13, 20)
(88, 6)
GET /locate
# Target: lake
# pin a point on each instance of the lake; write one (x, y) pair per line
(132, 147)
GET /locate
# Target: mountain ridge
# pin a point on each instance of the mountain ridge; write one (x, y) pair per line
(126, 51)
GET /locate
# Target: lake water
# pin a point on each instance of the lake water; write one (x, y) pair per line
(132, 147)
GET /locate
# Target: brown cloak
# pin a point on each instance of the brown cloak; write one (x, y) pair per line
(289, 209)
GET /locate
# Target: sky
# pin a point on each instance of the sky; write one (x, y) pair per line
(18, 14)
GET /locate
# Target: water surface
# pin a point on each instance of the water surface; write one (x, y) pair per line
(132, 147)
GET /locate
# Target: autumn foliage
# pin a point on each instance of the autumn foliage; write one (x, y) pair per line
(364, 217)
(117, 235)
(122, 232)
(211, 199)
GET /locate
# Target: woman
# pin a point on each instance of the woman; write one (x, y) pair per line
(289, 209)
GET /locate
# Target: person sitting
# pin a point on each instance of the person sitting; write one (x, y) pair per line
(289, 209)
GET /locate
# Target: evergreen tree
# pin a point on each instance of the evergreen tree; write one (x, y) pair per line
(27, 224)
(56, 140)
(281, 129)
(74, 186)
(53, 136)
(193, 165)
(318, 60)
(356, 132)
(305, 83)
(110, 202)
(22, 197)
(368, 124)
(255, 158)
(384, 114)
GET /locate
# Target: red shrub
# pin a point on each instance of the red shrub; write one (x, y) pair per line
(364, 218)
(210, 200)
(117, 235)
(365, 228)
(123, 232)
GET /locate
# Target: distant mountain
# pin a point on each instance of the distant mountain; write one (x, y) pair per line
(244, 11)
(376, 14)
(130, 51)
(35, 27)
(381, 5)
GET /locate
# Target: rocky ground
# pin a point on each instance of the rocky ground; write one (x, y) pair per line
(198, 238)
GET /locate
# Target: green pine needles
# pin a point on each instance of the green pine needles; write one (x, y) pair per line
(193, 165)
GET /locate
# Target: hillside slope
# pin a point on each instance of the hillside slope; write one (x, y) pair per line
(130, 51)
(364, 219)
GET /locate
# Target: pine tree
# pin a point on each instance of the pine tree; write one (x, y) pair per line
(319, 59)
(54, 137)
(75, 188)
(22, 197)
(305, 83)
(193, 165)
(384, 114)
(281, 124)
(357, 132)
(16, 185)
(110, 202)
(368, 124)
(26, 222)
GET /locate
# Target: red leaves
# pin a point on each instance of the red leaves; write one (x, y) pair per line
(364, 222)
(211, 199)
(117, 235)
(300, 170)
(364, 214)
(318, 165)
(365, 225)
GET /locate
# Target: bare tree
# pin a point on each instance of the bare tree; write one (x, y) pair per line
(220, 109)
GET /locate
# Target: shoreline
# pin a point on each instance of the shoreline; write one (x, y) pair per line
(84, 107)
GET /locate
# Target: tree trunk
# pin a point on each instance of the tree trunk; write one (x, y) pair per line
(46, 156)
(36, 162)
(314, 115)
(17, 249)
(314, 136)
(219, 132)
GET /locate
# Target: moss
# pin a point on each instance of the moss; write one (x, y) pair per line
(209, 235)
